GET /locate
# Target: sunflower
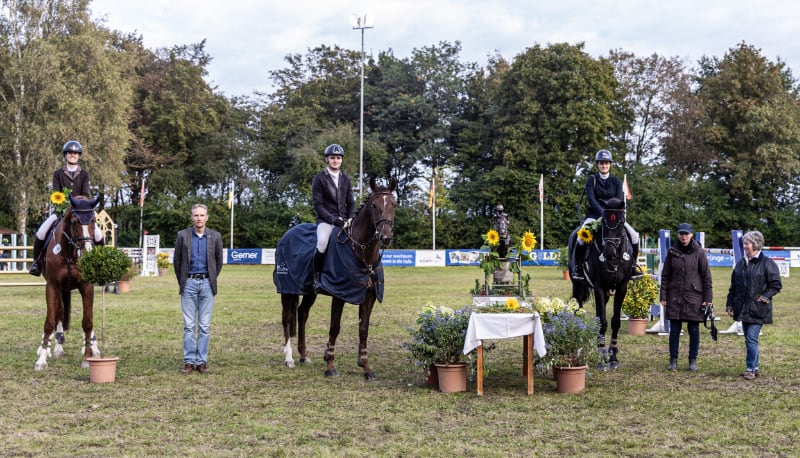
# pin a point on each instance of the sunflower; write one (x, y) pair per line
(528, 242)
(492, 237)
(512, 304)
(57, 198)
(585, 235)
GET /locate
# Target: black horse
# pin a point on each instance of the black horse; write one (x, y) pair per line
(352, 273)
(607, 269)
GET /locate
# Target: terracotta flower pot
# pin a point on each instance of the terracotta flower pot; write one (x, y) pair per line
(637, 326)
(102, 369)
(123, 286)
(570, 380)
(452, 377)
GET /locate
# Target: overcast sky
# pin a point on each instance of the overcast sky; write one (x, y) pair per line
(248, 38)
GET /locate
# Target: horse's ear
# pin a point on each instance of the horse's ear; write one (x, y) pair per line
(94, 202)
(392, 184)
(71, 200)
(372, 184)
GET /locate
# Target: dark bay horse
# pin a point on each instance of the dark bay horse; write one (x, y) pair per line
(607, 270)
(73, 236)
(353, 273)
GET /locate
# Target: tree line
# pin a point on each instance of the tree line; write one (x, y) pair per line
(715, 143)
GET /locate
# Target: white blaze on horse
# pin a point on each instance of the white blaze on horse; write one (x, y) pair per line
(74, 235)
(352, 273)
(607, 270)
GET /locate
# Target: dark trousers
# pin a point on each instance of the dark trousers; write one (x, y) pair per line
(693, 327)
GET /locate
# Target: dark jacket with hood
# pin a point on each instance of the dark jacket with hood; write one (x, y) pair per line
(686, 282)
(750, 279)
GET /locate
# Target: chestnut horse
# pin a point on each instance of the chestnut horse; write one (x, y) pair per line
(607, 270)
(354, 255)
(73, 236)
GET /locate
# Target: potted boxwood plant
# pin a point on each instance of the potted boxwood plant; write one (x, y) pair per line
(563, 261)
(162, 260)
(103, 265)
(641, 294)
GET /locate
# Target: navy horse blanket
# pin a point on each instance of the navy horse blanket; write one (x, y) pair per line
(343, 274)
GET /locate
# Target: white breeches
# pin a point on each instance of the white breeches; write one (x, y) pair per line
(323, 235)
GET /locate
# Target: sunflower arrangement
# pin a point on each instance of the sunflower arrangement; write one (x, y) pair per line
(586, 233)
(59, 200)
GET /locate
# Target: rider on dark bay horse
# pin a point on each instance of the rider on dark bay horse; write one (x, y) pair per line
(333, 202)
(71, 176)
(599, 188)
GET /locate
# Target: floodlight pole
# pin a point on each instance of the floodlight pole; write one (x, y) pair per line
(360, 23)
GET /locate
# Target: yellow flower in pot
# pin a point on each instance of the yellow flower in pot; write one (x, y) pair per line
(641, 294)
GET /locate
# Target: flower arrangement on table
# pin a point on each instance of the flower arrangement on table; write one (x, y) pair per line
(511, 305)
(59, 200)
(439, 335)
(571, 340)
(586, 233)
(641, 294)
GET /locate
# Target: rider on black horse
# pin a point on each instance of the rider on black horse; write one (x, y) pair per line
(601, 187)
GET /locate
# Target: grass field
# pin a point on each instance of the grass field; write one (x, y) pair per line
(251, 405)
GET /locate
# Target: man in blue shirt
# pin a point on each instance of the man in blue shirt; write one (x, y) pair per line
(198, 261)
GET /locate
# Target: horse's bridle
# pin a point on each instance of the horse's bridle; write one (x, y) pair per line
(76, 242)
(377, 224)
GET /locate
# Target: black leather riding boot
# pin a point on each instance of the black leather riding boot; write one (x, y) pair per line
(38, 246)
(319, 258)
(577, 260)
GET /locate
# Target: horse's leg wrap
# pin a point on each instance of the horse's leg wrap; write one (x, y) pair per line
(58, 348)
(329, 357)
(42, 353)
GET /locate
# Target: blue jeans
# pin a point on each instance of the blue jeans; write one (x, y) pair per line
(197, 303)
(693, 328)
(751, 332)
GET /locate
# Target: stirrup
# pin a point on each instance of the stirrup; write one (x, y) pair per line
(577, 274)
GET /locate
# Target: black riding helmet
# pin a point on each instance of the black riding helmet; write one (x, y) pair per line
(334, 150)
(72, 147)
(603, 156)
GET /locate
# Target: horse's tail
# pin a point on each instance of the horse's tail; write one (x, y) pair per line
(66, 299)
(580, 291)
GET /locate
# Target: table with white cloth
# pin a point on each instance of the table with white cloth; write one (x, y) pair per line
(503, 326)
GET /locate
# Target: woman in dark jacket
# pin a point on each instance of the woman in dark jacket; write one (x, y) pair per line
(685, 293)
(755, 280)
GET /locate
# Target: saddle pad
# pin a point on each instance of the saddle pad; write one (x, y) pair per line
(343, 275)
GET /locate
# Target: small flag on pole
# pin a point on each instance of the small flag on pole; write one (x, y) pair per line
(541, 188)
(230, 199)
(625, 189)
(431, 195)
(141, 194)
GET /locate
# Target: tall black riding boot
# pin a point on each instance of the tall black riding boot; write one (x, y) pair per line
(38, 246)
(577, 260)
(319, 258)
(636, 271)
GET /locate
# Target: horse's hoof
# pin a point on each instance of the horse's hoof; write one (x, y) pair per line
(614, 365)
(370, 375)
(330, 373)
(84, 364)
(289, 364)
(305, 360)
